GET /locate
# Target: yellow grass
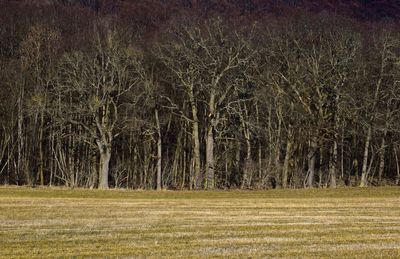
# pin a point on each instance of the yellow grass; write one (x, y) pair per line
(343, 223)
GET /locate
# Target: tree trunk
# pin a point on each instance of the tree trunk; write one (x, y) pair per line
(105, 156)
(363, 182)
(288, 154)
(278, 142)
(397, 181)
(246, 181)
(320, 169)
(259, 150)
(196, 144)
(333, 158)
(40, 142)
(311, 161)
(137, 175)
(364, 173)
(175, 163)
(210, 159)
(184, 159)
(238, 160)
(383, 146)
(355, 168)
(20, 136)
(333, 165)
(159, 152)
(210, 181)
(342, 154)
(381, 160)
(94, 172)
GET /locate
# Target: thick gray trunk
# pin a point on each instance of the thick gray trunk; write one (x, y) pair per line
(196, 151)
(210, 184)
(196, 142)
(105, 156)
(334, 155)
(210, 159)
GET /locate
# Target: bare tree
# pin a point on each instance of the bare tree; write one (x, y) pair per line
(383, 78)
(92, 86)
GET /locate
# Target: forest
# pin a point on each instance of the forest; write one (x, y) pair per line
(200, 94)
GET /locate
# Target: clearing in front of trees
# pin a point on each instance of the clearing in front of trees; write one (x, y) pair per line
(338, 223)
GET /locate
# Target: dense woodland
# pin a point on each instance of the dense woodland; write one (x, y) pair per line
(199, 94)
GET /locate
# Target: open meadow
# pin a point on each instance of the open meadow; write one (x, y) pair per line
(342, 223)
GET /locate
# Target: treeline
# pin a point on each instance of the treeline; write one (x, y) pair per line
(99, 100)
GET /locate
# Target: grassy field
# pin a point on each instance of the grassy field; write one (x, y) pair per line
(343, 223)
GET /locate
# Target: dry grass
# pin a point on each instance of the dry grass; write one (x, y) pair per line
(343, 223)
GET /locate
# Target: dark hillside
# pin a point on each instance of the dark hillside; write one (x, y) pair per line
(366, 10)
